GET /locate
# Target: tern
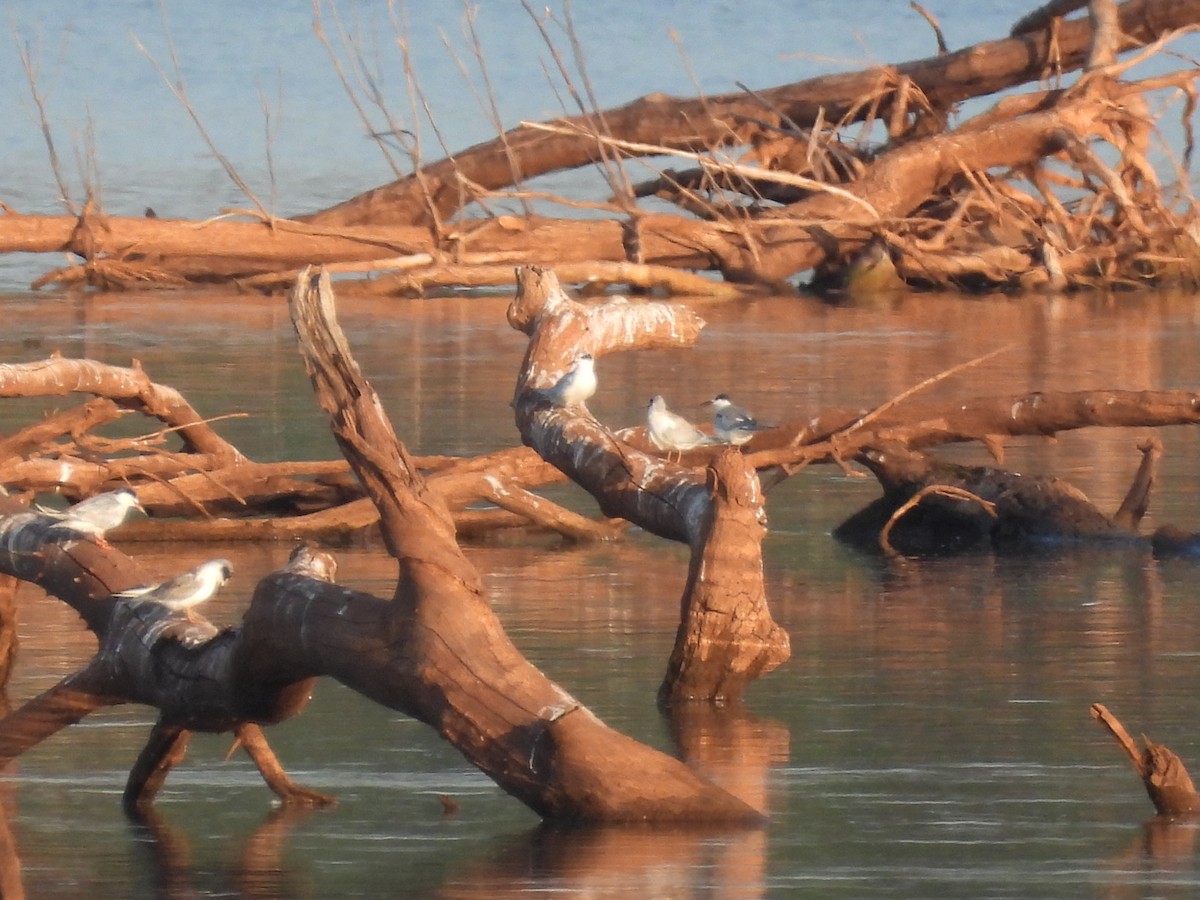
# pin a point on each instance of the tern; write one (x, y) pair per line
(577, 384)
(181, 593)
(731, 423)
(669, 431)
(95, 515)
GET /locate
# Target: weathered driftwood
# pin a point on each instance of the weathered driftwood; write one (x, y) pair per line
(139, 660)
(462, 674)
(1015, 197)
(727, 636)
(205, 489)
(1162, 772)
(840, 434)
(435, 651)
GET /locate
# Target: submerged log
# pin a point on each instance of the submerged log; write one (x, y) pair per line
(1162, 772)
(463, 675)
(727, 637)
(985, 504)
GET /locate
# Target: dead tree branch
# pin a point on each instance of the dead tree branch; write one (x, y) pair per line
(727, 636)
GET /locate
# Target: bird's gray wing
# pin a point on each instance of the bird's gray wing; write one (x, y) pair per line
(179, 586)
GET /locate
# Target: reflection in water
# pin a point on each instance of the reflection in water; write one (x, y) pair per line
(732, 747)
(11, 885)
(259, 870)
(628, 861)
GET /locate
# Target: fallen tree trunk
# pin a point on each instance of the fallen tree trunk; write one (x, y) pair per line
(207, 490)
(931, 506)
(702, 124)
(538, 742)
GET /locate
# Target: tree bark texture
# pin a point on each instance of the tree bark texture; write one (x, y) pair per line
(436, 649)
(727, 636)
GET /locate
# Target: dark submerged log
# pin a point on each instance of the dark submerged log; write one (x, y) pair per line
(1006, 510)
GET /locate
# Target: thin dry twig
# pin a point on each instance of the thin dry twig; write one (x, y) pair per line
(26, 57)
(179, 91)
(916, 388)
(939, 490)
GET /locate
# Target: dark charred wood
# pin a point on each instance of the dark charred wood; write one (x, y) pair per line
(1022, 512)
(1171, 540)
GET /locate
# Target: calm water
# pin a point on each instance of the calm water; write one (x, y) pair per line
(930, 736)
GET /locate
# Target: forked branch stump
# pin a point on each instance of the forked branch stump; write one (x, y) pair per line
(1162, 772)
(726, 636)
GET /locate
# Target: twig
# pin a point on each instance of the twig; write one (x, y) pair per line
(933, 23)
(617, 179)
(487, 102)
(31, 78)
(904, 395)
(270, 134)
(941, 490)
(319, 30)
(179, 92)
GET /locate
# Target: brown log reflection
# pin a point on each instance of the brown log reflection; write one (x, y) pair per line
(1163, 844)
(258, 872)
(733, 747)
(12, 886)
(620, 861)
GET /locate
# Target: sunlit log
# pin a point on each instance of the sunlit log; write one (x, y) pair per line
(727, 636)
